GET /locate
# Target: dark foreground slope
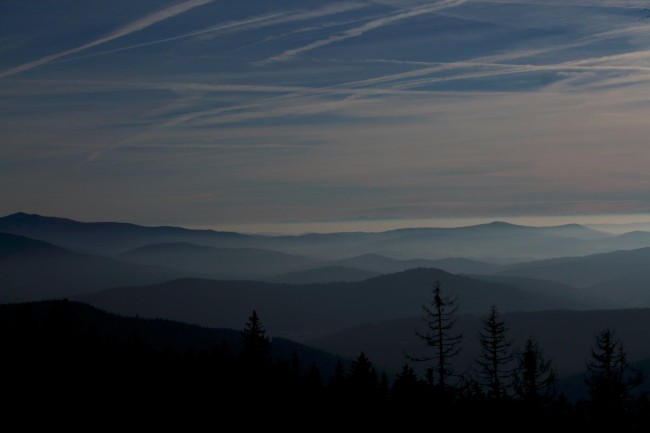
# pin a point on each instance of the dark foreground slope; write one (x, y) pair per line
(47, 322)
(69, 360)
(69, 364)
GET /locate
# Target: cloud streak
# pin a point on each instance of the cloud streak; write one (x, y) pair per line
(240, 25)
(364, 28)
(485, 107)
(135, 26)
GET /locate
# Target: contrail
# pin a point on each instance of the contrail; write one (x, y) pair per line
(132, 27)
(497, 57)
(360, 30)
(251, 23)
(226, 26)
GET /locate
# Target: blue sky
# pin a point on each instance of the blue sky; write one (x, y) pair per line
(231, 114)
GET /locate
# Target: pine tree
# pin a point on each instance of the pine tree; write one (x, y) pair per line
(362, 377)
(256, 349)
(609, 377)
(337, 383)
(406, 385)
(534, 378)
(440, 319)
(496, 356)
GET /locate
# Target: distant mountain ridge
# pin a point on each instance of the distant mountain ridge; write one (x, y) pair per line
(100, 237)
(586, 270)
(308, 309)
(34, 270)
(324, 274)
(223, 263)
(382, 264)
(494, 242)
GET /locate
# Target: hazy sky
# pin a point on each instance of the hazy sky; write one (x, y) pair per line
(222, 113)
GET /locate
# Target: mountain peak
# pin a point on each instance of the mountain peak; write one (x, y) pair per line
(498, 225)
(501, 224)
(19, 215)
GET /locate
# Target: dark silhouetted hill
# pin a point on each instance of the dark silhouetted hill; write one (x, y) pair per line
(105, 237)
(300, 310)
(626, 291)
(576, 298)
(565, 336)
(59, 355)
(225, 263)
(585, 271)
(385, 265)
(31, 270)
(325, 274)
(159, 334)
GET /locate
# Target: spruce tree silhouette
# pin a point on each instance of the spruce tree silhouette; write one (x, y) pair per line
(255, 360)
(534, 379)
(362, 378)
(406, 386)
(609, 377)
(440, 318)
(256, 349)
(495, 357)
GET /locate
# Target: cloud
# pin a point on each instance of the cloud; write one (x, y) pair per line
(502, 57)
(256, 22)
(135, 26)
(364, 28)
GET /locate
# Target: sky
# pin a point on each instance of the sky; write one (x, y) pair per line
(260, 114)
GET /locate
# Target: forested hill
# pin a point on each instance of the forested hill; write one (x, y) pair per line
(74, 330)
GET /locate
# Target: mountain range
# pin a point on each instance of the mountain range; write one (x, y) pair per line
(300, 310)
(225, 263)
(343, 292)
(496, 242)
(33, 270)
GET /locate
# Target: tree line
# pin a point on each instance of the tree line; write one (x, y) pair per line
(55, 353)
(504, 377)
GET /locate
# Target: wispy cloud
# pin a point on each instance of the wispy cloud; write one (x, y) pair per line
(502, 57)
(251, 23)
(364, 28)
(222, 27)
(135, 26)
(528, 115)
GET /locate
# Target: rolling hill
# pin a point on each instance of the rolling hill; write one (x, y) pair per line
(224, 263)
(325, 274)
(32, 270)
(162, 335)
(384, 265)
(106, 238)
(297, 311)
(565, 336)
(627, 291)
(584, 271)
(497, 242)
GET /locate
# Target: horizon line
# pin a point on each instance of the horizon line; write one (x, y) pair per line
(378, 225)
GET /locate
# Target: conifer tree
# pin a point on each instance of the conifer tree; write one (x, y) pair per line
(534, 378)
(609, 377)
(362, 377)
(439, 335)
(256, 347)
(405, 386)
(494, 361)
